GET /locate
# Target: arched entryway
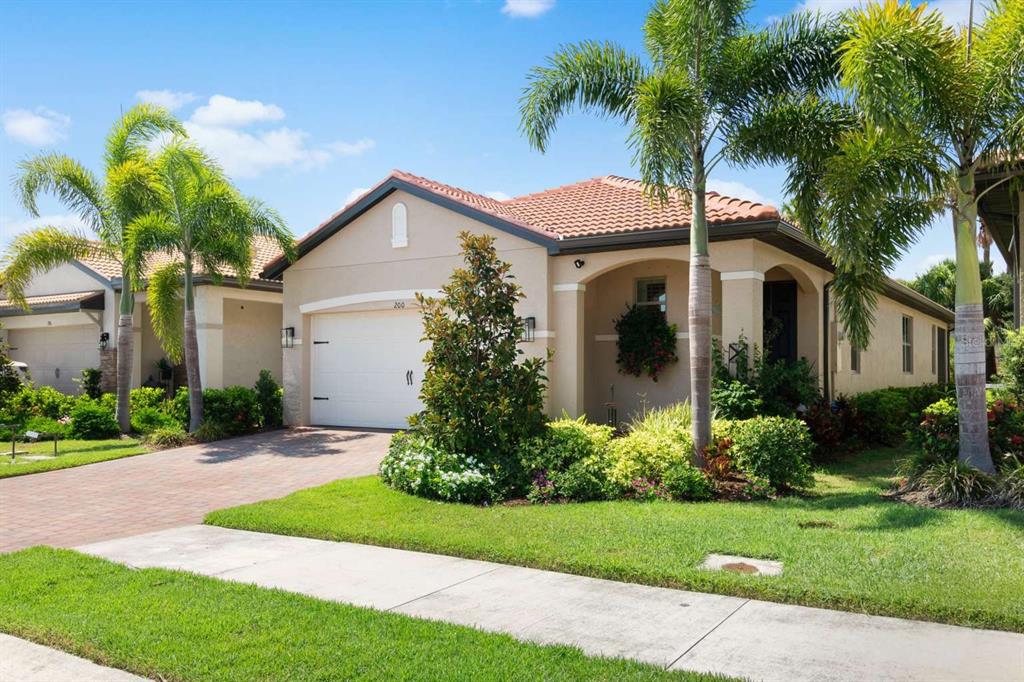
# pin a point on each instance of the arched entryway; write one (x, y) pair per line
(792, 315)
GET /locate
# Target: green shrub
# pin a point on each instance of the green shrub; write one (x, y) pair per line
(882, 415)
(178, 407)
(44, 401)
(956, 483)
(90, 382)
(785, 387)
(938, 434)
(414, 466)
(1011, 488)
(654, 443)
(270, 400)
(686, 482)
(775, 449)
(229, 411)
(1011, 364)
(167, 437)
(735, 400)
(148, 419)
(147, 397)
(91, 421)
(210, 431)
(108, 401)
(568, 462)
(49, 427)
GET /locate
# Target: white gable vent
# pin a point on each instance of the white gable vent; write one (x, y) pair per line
(399, 226)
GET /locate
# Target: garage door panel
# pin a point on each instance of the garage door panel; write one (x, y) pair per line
(56, 356)
(360, 368)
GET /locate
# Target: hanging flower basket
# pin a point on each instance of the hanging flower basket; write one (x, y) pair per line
(647, 342)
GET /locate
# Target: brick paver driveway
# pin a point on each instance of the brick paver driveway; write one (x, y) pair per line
(176, 487)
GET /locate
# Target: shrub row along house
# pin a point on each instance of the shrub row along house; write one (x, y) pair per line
(72, 325)
(583, 253)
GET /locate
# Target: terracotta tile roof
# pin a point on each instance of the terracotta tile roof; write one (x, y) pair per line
(50, 300)
(264, 251)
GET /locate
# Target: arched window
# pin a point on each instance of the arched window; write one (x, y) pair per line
(399, 226)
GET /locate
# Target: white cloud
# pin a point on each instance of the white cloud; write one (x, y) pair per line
(500, 196)
(10, 227)
(527, 9)
(228, 112)
(166, 98)
(39, 128)
(352, 148)
(248, 155)
(737, 190)
(355, 194)
(954, 12)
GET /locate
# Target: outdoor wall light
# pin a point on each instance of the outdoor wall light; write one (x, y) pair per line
(104, 340)
(288, 337)
(530, 329)
(579, 263)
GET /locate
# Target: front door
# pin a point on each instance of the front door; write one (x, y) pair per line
(780, 321)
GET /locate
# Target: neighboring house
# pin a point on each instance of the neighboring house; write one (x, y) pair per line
(73, 325)
(582, 253)
(1000, 208)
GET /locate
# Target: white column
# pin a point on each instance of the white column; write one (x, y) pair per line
(210, 335)
(742, 308)
(567, 367)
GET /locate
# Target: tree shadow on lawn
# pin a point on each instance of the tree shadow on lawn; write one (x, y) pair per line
(291, 443)
(77, 450)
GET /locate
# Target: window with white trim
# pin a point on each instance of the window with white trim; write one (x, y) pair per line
(908, 344)
(399, 226)
(935, 349)
(652, 292)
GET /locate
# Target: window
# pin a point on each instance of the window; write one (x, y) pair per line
(651, 292)
(399, 226)
(854, 359)
(935, 349)
(908, 344)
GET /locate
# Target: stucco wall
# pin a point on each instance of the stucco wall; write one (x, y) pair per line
(361, 260)
(252, 340)
(882, 362)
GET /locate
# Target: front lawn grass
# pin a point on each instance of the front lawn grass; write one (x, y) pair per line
(173, 625)
(71, 453)
(843, 548)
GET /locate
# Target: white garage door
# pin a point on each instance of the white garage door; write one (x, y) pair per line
(56, 356)
(367, 368)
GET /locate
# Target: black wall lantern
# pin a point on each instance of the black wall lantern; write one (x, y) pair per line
(104, 340)
(288, 337)
(579, 263)
(530, 329)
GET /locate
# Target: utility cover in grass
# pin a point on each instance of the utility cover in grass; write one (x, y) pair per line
(740, 564)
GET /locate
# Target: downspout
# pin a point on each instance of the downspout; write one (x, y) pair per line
(827, 369)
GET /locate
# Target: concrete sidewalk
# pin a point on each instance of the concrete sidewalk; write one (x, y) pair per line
(671, 628)
(28, 662)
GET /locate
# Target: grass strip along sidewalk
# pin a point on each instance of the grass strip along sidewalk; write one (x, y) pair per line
(71, 453)
(843, 548)
(179, 626)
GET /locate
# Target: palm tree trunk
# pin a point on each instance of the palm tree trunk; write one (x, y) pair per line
(125, 355)
(191, 343)
(969, 350)
(700, 315)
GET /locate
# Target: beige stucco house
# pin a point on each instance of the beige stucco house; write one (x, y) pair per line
(582, 253)
(73, 326)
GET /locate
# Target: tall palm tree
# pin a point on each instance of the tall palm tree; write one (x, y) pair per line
(128, 190)
(923, 107)
(687, 105)
(203, 221)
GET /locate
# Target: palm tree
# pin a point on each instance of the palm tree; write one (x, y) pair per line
(928, 106)
(706, 78)
(129, 189)
(203, 221)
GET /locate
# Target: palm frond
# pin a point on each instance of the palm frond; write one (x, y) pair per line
(668, 110)
(138, 126)
(134, 187)
(590, 76)
(71, 182)
(166, 307)
(267, 222)
(685, 32)
(146, 234)
(998, 59)
(39, 251)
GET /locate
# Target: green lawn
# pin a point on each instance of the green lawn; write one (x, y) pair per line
(70, 453)
(843, 548)
(177, 626)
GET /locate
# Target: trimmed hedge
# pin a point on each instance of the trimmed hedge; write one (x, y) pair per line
(775, 449)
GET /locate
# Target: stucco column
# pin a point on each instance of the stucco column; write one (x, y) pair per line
(137, 322)
(742, 308)
(210, 335)
(566, 371)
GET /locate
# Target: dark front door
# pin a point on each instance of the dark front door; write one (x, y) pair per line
(942, 349)
(780, 321)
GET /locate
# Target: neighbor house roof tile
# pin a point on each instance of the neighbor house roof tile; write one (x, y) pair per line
(51, 300)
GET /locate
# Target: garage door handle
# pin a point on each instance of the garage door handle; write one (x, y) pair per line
(317, 343)
(408, 378)
(320, 397)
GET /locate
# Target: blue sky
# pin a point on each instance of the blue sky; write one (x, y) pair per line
(306, 103)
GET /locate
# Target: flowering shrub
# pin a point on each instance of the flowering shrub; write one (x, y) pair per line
(647, 490)
(647, 342)
(568, 462)
(415, 466)
(938, 434)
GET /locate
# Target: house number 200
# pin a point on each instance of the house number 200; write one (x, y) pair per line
(399, 305)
